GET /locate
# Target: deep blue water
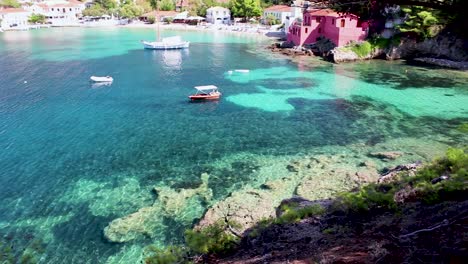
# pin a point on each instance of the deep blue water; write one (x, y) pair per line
(58, 131)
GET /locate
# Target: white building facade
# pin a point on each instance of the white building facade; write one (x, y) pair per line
(59, 12)
(280, 12)
(14, 18)
(218, 15)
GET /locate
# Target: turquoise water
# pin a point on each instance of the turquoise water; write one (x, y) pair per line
(75, 156)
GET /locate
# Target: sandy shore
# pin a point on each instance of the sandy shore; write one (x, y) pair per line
(240, 29)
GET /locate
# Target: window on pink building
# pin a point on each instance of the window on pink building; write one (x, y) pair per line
(317, 19)
(342, 22)
(306, 30)
(333, 21)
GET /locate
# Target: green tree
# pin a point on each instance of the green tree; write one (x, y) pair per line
(144, 4)
(246, 8)
(107, 4)
(199, 7)
(130, 10)
(37, 19)
(154, 4)
(9, 3)
(420, 21)
(167, 5)
(94, 11)
(271, 20)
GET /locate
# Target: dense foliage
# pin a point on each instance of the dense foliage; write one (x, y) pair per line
(444, 179)
(245, 8)
(130, 10)
(95, 10)
(9, 3)
(420, 21)
(107, 4)
(37, 19)
(271, 20)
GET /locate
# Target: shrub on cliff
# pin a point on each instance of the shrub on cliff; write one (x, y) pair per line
(215, 238)
(362, 49)
(169, 255)
(422, 22)
(441, 180)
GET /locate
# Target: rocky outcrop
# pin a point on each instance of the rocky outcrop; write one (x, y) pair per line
(391, 175)
(442, 51)
(444, 63)
(386, 155)
(248, 206)
(339, 55)
(147, 221)
(313, 178)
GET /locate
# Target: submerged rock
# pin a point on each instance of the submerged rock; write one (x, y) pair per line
(147, 221)
(386, 155)
(444, 63)
(246, 207)
(391, 175)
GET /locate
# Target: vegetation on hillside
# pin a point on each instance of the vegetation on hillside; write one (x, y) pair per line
(9, 3)
(37, 19)
(245, 8)
(448, 14)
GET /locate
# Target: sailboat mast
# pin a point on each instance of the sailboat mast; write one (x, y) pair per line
(157, 21)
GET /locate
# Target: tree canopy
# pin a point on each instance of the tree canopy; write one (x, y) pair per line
(37, 19)
(107, 4)
(9, 3)
(246, 8)
(95, 10)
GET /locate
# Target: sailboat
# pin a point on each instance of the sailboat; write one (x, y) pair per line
(174, 42)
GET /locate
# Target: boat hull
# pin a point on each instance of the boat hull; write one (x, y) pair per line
(165, 46)
(200, 97)
(101, 79)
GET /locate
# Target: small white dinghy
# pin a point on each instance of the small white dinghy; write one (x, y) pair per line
(242, 70)
(102, 79)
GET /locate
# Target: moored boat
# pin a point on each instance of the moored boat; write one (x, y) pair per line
(174, 42)
(102, 79)
(206, 92)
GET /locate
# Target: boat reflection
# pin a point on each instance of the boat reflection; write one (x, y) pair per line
(100, 85)
(173, 58)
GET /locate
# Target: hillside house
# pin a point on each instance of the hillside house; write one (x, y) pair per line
(280, 12)
(339, 28)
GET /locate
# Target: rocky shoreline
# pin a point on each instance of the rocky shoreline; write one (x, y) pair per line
(442, 51)
(312, 177)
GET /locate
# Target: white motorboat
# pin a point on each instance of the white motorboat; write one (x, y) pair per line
(174, 42)
(102, 79)
(242, 70)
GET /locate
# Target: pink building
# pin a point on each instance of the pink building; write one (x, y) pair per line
(339, 28)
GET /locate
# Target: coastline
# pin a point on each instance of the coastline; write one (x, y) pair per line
(240, 30)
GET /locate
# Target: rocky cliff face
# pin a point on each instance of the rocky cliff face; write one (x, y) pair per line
(447, 48)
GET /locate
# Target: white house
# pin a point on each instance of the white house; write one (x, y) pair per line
(218, 15)
(59, 12)
(281, 12)
(297, 8)
(14, 18)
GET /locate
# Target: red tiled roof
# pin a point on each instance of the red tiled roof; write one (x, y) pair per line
(279, 8)
(12, 10)
(71, 3)
(327, 12)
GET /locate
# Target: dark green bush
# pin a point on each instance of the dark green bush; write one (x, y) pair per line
(212, 239)
(169, 255)
(362, 49)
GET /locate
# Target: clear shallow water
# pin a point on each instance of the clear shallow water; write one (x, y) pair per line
(76, 156)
